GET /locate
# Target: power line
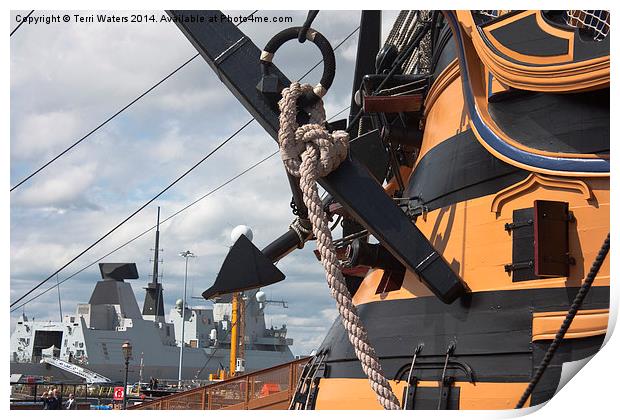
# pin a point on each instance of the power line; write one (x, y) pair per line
(137, 211)
(21, 23)
(103, 123)
(219, 187)
(335, 48)
(167, 188)
(137, 99)
(339, 112)
(216, 189)
(146, 92)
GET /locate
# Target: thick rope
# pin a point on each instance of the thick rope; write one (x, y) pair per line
(574, 308)
(310, 152)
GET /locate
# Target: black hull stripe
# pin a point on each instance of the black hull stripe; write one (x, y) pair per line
(468, 171)
(491, 330)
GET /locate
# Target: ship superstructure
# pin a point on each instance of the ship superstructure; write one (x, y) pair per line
(91, 338)
(93, 335)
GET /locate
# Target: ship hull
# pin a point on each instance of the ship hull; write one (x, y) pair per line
(197, 364)
(496, 346)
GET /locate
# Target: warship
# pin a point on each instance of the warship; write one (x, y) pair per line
(86, 345)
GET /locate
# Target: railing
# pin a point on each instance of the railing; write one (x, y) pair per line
(89, 375)
(267, 389)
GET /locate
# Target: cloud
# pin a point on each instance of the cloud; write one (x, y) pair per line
(64, 190)
(56, 127)
(66, 79)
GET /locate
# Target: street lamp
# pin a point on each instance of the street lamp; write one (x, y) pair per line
(127, 349)
(187, 255)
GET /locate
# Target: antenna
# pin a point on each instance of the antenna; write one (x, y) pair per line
(153, 300)
(156, 257)
(156, 265)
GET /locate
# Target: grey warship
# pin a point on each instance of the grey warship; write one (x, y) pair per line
(87, 344)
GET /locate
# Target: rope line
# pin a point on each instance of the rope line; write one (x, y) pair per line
(213, 191)
(219, 146)
(146, 92)
(21, 23)
(310, 152)
(335, 48)
(94, 130)
(559, 336)
(100, 239)
(219, 187)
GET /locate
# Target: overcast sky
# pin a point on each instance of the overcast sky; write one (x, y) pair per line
(66, 78)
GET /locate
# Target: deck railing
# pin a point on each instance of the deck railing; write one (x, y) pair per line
(267, 389)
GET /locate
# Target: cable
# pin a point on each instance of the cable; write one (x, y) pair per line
(219, 187)
(137, 211)
(339, 112)
(103, 123)
(559, 336)
(21, 23)
(109, 118)
(335, 48)
(153, 227)
(159, 194)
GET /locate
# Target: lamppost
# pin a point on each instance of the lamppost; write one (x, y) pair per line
(127, 349)
(187, 255)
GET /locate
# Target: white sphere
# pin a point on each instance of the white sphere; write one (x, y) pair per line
(241, 230)
(358, 98)
(261, 296)
(179, 303)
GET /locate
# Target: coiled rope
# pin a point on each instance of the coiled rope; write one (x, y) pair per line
(310, 152)
(559, 336)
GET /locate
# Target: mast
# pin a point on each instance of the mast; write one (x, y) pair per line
(153, 308)
(156, 260)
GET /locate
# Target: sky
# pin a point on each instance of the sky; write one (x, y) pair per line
(67, 78)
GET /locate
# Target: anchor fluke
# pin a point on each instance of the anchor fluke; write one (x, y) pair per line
(245, 267)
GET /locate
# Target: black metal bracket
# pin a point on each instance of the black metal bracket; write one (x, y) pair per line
(509, 268)
(409, 394)
(412, 382)
(452, 364)
(516, 225)
(446, 382)
(444, 397)
(417, 211)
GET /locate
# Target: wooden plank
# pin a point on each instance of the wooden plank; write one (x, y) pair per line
(393, 104)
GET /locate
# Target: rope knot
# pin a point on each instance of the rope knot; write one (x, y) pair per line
(310, 152)
(310, 141)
